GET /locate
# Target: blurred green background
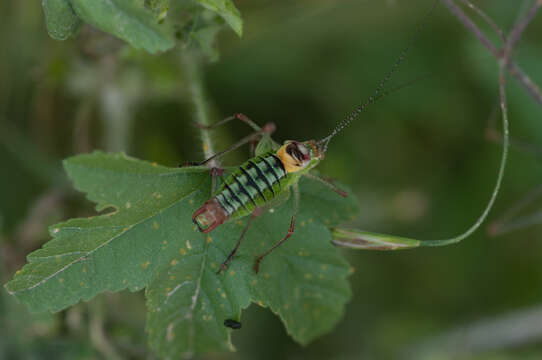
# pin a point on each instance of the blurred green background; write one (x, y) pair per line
(419, 161)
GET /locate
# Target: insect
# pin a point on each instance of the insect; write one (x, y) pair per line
(268, 178)
(232, 324)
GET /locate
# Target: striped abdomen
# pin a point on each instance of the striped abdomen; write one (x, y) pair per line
(253, 184)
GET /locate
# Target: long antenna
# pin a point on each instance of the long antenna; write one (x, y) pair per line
(377, 94)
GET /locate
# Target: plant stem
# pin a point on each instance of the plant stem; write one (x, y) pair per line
(512, 67)
(192, 70)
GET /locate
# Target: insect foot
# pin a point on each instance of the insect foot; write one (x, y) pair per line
(269, 128)
(215, 171)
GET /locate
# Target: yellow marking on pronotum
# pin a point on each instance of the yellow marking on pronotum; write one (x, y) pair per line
(145, 264)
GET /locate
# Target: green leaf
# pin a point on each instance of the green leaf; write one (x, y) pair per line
(62, 22)
(149, 240)
(127, 19)
(227, 10)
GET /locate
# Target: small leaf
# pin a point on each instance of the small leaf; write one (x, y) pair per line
(62, 22)
(227, 10)
(128, 20)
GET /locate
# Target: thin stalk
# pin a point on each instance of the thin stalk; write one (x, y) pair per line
(192, 70)
(532, 89)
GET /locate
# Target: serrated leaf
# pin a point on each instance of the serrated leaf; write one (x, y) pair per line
(128, 20)
(150, 241)
(61, 21)
(227, 10)
(122, 249)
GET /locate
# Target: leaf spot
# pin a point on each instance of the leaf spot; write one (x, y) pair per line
(272, 210)
(128, 205)
(253, 282)
(156, 195)
(60, 280)
(308, 276)
(145, 264)
(191, 201)
(209, 240)
(260, 303)
(182, 251)
(223, 295)
(188, 245)
(170, 334)
(124, 281)
(266, 275)
(81, 284)
(56, 230)
(172, 277)
(232, 273)
(213, 265)
(352, 269)
(323, 267)
(173, 262)
(164, 242)
(155, 225)
(310, 221)
(303, 223)
(206, 317)
(286, 306)
(84, 269)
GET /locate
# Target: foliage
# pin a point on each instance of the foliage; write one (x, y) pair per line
(143, 24)
(148, 240)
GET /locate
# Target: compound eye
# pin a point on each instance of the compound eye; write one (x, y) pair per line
(297, 151)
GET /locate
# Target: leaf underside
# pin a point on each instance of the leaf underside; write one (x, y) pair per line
(147, 240)
(139, 23)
